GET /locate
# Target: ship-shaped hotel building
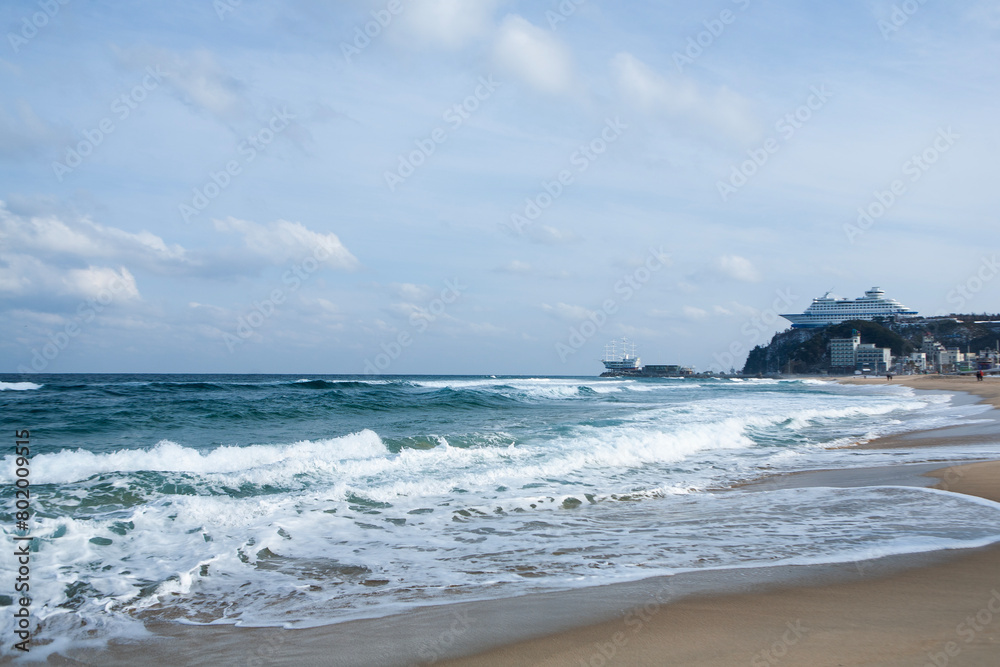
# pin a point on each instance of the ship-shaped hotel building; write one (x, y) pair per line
(827, 310)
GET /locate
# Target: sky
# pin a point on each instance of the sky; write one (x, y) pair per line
(481, 187)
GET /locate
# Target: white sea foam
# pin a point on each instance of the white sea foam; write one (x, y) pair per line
(74, 465)
(266, 560)
(18, 386)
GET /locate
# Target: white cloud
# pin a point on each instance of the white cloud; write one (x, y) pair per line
(448, 24)
(283, 241)
(737, 268)
(681, 98)
(17, 272)
(686, 287)
(533, 55)
(195, 78)
(49, 236)
(45, 256)
(550, 235)
(566, 312)
(515, 266)
(693, 313)
(50, 256)
(25, 276)
(742, 310)
(412, 292)
(95, 281)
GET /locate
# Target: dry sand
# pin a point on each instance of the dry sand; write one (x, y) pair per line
(944, 614)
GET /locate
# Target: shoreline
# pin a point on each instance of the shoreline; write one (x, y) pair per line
(910, 617)
(897, 610)
(988, 390)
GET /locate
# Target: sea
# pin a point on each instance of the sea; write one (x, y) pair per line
(306, 500)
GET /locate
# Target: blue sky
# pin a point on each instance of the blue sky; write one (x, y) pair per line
(480, 187)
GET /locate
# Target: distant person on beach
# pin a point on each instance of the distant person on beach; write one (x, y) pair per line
(979, 376)
(888, 377)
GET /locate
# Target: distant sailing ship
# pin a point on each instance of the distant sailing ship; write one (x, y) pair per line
(628, 363)
(827, 310)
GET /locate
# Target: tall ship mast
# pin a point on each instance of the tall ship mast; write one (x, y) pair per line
(827, 310)
(626, 362)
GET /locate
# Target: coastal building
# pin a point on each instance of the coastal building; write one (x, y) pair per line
(827, 310)
(949, 359)
(842, 352)
(936, 358)
(668, 370)
(932, 350)
(915, 362)
(876, 359)
(850, 354)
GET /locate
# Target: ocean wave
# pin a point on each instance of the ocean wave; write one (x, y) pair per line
(319, 383)
(541, 389)
(19, 386)
(328, 384)
(75, 465)
(189, 386)
(408, 467)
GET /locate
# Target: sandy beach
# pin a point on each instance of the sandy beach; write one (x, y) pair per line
(988, 390)
(943, 614)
